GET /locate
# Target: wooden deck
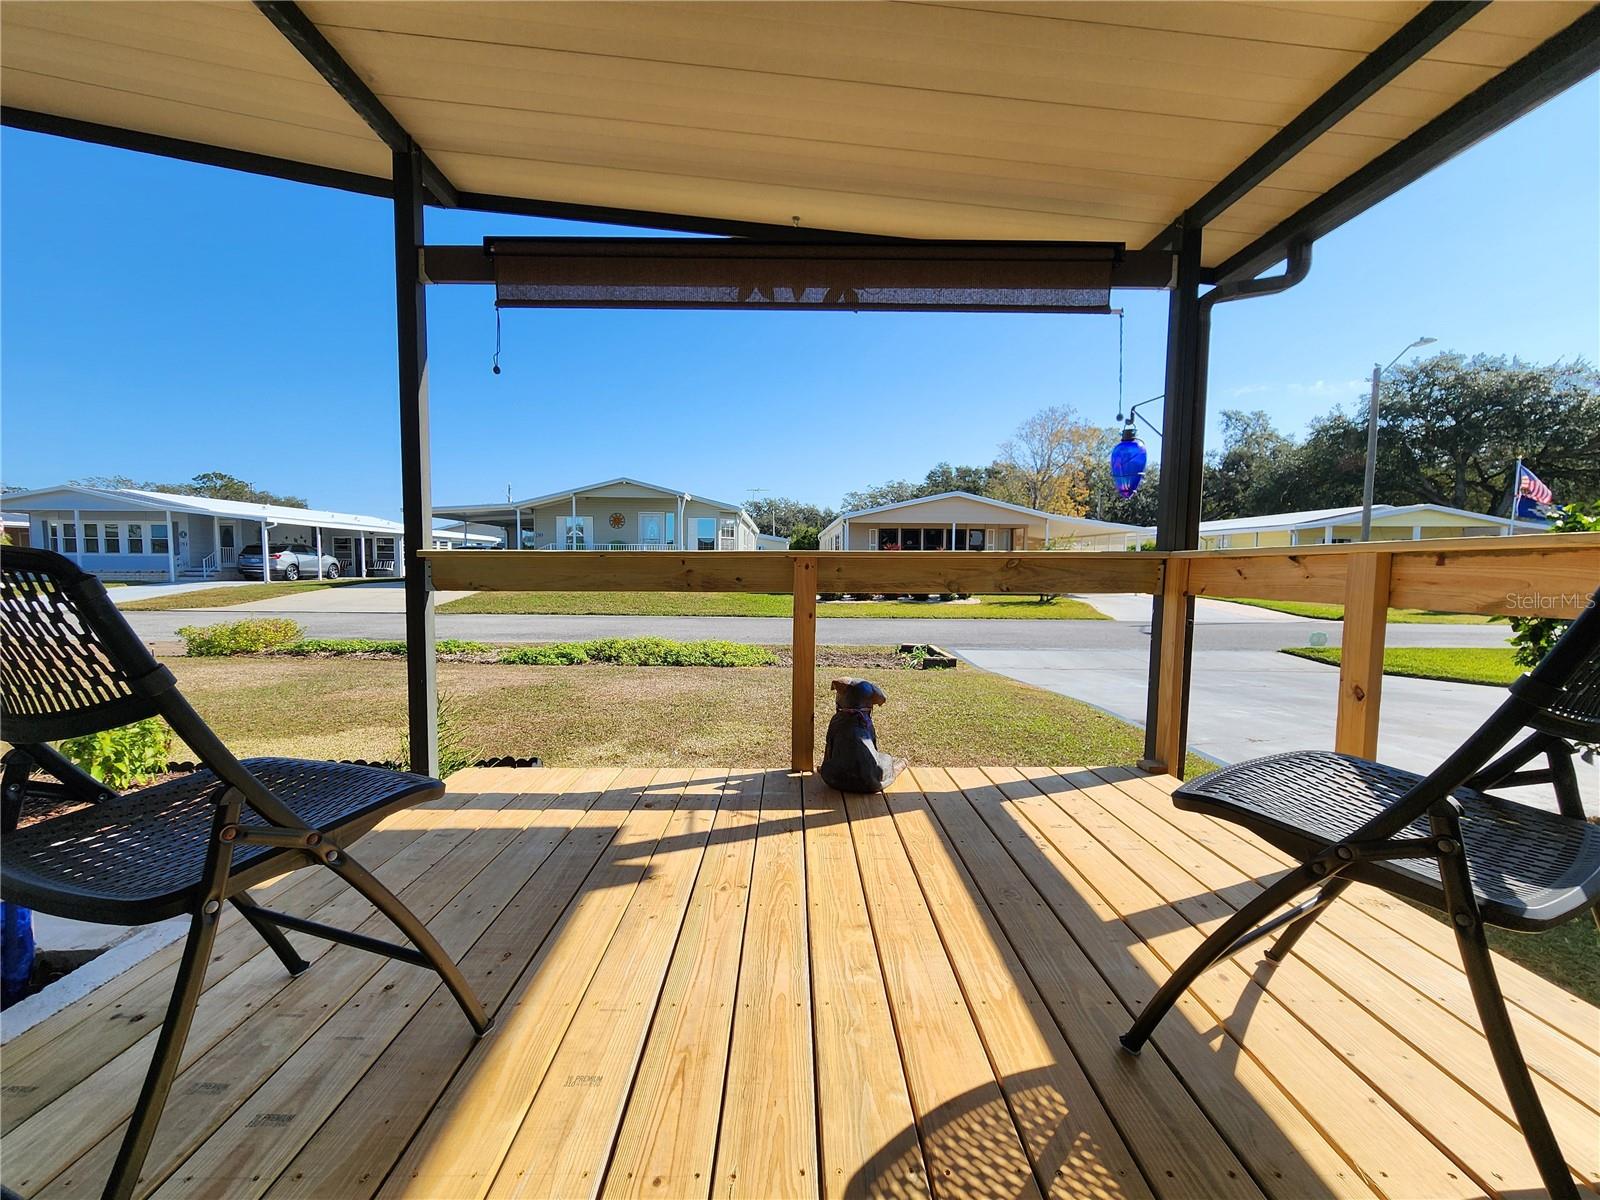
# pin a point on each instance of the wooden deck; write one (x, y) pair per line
(734, 983)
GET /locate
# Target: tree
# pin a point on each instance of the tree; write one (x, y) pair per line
(945, 478)
(804, 537)
(1451, 429)
(218, 485)
(980, 481)
(1244, 477)
(892, 492)
(1046, 464)
(781, 515)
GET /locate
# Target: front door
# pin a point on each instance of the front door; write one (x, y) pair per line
(653, 529)
(228, 536)
(180, 553)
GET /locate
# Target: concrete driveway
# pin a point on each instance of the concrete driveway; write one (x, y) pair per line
(1246, 703)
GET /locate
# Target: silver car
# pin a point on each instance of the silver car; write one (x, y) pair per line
(288, 562)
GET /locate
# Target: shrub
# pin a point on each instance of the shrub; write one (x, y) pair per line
(122, 757)
(314, 646)
(239, 637)
(1532, 637)
(556, 654)
(641, 652)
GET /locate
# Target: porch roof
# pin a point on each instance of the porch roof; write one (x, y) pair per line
(1316, 518)
(1087, 122)
(1022, 510)
(478, 511)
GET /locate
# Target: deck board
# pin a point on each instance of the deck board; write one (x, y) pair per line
(713, 982)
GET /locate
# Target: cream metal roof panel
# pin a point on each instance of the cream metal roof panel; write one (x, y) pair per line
(215, 73)
(1093, 120)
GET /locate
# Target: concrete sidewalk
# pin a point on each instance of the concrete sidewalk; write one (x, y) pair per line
(1244, 703)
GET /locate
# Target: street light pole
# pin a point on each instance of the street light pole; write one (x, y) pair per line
(1372, 456)
(1372, 437)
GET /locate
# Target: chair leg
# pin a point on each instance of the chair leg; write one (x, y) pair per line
(1508, 1060)
(1221, 941)
(164, 1064)
(271, 934)
(1279, 950)
(406, 921)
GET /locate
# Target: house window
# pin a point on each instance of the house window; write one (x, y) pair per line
(135, 537)
(384, 549)
(113, 538)
(728, 534)
(974, 539)
(911, 539)
(933, 539)
(705, 533)
(69, 538)
(158, 540)
(888, 539)
(91, 537)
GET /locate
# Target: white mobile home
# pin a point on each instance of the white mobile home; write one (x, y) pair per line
(618, 514)
(134, 535)
(964, 521)
(1325, 526)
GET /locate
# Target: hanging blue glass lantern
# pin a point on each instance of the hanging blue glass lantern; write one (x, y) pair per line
(1128, 459)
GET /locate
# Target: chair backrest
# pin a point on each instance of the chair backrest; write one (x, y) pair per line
(69, 662)
(1565, 687)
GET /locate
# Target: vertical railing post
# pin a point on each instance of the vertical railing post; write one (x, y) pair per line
(803, 674)
(416, 489)
(1366, 624)
(1178, 513)
(1171, 727)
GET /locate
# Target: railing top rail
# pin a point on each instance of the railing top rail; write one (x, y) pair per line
(1513, 544)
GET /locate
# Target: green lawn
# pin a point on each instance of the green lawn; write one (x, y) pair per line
(1491, 665)
(736, 604)
(613, 716)
(1335, 612)
(227, 597)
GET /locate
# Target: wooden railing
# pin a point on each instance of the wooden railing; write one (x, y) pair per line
(1538, 575)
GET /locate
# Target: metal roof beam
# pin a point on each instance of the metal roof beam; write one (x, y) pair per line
(304, 36)
(1371, 75)
(1557, 64)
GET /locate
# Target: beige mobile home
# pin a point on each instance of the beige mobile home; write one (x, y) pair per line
(964, 521)
(618, 514)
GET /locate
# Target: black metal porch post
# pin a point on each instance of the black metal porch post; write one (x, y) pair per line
(416, 488)
(1182, 464)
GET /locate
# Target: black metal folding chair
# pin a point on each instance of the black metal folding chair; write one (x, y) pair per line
(70, 665)
(1441, 840)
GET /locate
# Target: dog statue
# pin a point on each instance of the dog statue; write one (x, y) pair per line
(852, 761)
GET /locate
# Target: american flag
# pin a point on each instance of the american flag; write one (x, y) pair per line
(1531, 486)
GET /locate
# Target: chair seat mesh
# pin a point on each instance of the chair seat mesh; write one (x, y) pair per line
(142, 854)
(1530, 868)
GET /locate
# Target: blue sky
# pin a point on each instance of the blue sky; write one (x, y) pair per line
(161, 319)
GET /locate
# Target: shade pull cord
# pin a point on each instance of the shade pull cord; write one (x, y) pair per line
(1121, 322)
